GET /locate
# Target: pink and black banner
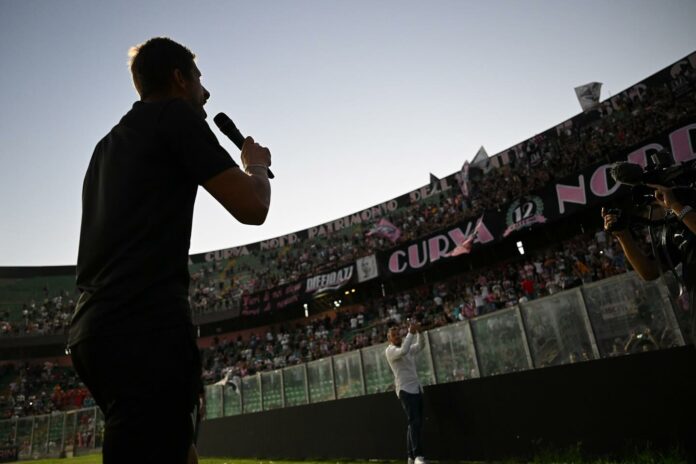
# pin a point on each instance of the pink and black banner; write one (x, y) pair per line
(281, 297)
(273, 299)
(587, 188)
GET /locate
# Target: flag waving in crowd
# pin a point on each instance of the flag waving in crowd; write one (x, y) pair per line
(588, 95)
(464, 179)
(385, 229)
(464, 248)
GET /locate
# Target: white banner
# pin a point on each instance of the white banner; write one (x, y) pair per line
(367, 268)
(330, 281)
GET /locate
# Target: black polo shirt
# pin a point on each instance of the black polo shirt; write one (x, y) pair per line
(137, 210)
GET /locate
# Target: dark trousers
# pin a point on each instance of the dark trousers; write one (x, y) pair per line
(413, 407)
(147, 386)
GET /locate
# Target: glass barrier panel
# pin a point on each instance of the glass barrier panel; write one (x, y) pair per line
(213, 401)
(629, 315)
(319, 377)
(39, 441)
(99, 430)
(84, 435)
(378, 374)
(676, 312)
(69, 429)
(347, 373)
(295, 385)
(251, 394)
(55, 433)
(271, 386)
(558, 330)
(500, 342)
(24, 426)
(678, 299)
(7, 428)
(453, 352)
(232, 399)
(424, 363)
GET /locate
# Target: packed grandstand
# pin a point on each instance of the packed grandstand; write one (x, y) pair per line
(504, 231)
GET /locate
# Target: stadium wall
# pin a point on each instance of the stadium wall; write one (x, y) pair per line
(32, 346)
(611, 405)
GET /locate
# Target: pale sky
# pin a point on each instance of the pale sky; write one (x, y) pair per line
(358, 100)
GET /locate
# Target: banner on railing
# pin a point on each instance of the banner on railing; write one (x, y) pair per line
(418, 254)
(367, 268)
(280, 297)
(276, 298)
(331, 281)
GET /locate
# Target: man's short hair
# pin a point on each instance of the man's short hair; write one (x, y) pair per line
(153, 62)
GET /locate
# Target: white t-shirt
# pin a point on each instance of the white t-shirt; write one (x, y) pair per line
(539, 267)
(402, 361)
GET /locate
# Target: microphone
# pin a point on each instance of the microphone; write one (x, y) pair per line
(228, 128)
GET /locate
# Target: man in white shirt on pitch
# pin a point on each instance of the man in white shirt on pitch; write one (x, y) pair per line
(401, 355)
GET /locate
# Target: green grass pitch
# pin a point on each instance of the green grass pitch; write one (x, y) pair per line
(642, 458)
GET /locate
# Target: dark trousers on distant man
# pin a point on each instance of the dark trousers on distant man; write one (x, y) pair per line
(413, 407)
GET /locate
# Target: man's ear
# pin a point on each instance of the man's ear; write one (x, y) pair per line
(179, 80)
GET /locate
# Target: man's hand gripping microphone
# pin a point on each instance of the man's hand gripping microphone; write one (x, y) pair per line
(228, 128)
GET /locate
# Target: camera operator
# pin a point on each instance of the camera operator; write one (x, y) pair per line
(674, 241)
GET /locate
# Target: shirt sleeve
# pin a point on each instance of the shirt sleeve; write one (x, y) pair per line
(193, 145)
(416, 347)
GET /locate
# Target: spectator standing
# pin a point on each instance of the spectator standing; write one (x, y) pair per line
(401, 358)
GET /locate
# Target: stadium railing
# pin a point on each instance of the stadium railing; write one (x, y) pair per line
(616, 316)
(62, 433)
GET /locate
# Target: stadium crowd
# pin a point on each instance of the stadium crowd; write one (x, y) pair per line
(581, 260)
(618, 124)
(35, 389)
(51, 315)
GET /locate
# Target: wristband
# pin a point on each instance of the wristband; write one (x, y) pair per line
(685, 210)
(246, 168)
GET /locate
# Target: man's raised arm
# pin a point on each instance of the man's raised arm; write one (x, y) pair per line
(395, 352)
(418, 346)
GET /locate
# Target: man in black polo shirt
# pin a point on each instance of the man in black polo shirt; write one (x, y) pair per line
(131, 336)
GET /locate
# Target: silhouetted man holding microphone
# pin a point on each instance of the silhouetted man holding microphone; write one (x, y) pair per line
(131, 336)
(401, 355)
